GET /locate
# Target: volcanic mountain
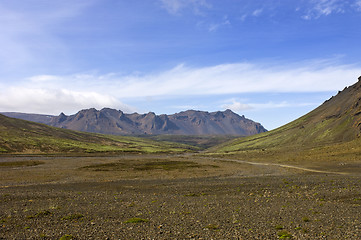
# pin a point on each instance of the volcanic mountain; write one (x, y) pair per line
(336, 121)
(111, 121)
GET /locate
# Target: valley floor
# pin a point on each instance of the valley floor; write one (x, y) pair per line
(173, 197)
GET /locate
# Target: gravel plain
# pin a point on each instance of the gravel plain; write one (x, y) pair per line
(272, 203)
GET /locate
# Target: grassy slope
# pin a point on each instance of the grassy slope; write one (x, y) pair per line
(200, 142)
(19, 136)
(336, 122)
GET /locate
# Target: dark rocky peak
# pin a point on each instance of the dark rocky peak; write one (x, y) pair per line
(89, 114)
(58, 119)
(219, 115)
(62, 117)
(192, 113)
(85, 112)
(151, 114)
(230, 112)
(112, 112)
(90, 110)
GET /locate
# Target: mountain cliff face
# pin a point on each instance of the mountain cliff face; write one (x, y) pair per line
(111, 121)
(222, 123)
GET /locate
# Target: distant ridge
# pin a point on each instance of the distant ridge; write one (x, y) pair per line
(336, 121)
(39, 118)
(111, 121)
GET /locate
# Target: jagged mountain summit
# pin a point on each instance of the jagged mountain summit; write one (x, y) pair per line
(191, 122)
(111, 121)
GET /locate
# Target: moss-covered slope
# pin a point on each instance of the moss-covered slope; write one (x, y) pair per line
(19, 136)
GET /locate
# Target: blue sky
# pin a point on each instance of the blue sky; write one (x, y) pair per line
(271, 61)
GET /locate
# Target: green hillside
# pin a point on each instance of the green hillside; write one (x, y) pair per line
(19, 136)
(336, 121)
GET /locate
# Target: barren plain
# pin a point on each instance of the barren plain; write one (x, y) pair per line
(176, 196)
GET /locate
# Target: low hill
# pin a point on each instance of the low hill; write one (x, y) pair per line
(336, 121)
(39, 118)
(20, 136)
(115, 122)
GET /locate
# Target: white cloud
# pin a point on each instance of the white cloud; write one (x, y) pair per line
(53, 94)
(237, 106)
(239, 78)
(55, 101)
(177, 6)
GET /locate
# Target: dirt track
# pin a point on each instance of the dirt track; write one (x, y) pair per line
(272, 203)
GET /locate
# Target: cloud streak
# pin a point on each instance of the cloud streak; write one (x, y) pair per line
(175, 7)
(240, 78)
(241, 106)
(53, 94)
(321, 8)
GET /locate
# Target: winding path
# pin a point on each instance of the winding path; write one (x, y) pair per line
(281, 165)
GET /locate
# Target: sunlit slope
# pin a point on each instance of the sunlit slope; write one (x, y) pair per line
(338, 120)
(19, 136)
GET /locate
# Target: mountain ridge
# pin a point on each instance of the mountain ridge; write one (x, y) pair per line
(116, 122)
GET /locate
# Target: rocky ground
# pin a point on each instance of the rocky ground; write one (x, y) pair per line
(289, 205)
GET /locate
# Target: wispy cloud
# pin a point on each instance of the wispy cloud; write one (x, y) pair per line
(283, 104)
(241, 106)
(251, 14)
(257, 12)
(214, 27)
(241, 78)
(48, 93)
(307, 9)
(324, 8)
(357, 5)
(175, 7)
